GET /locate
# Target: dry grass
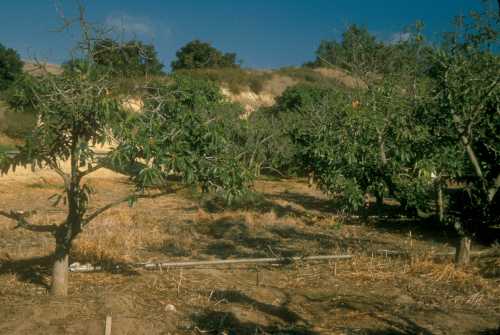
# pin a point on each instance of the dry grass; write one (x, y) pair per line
(237, 80)
(116, 237)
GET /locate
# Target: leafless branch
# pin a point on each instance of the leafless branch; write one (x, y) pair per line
(20, 218)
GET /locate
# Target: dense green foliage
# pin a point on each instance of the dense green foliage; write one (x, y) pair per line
(131, 59)
(408, 135)
(182, 136)
(358, 48)
(365, 142)
(200, 55)
(11, 66)
(462, 114)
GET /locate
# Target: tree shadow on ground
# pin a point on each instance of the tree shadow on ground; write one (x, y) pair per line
(31, 270)
(255, 201)
(397, 322)
(488, 265)
(329, 241)
(233, 237)
(492, 331)
(37, 270)
(388, 218)
(216, 322)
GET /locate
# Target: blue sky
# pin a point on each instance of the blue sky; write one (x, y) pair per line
(264, 33)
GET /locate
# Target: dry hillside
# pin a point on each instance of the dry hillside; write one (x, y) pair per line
(271, 85)
(38, 68)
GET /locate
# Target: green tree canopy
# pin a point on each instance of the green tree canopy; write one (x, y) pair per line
(129, 59)
(358, 50)
(463, 116)
(199, 55)
(11, 66)
(361, 53)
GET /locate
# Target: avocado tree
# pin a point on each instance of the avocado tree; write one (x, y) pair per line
(131, 58)
(365, 143)
(174, 135)
(269, 128)
(170, 137)
(463, 117)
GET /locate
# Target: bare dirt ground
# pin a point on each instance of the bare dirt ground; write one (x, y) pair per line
(372, 293)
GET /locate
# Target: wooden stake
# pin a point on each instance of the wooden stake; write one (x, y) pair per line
(108, 325)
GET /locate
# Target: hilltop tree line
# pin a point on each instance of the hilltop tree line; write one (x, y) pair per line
(423, 129)
(135, 58)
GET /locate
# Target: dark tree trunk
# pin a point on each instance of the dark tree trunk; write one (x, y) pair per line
(379, 197)
(440, 202)
(462, 256)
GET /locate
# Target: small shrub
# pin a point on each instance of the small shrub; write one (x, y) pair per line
(235, 79)
(17, 124)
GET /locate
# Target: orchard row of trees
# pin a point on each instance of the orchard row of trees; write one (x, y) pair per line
(427, 125)
(410, 133)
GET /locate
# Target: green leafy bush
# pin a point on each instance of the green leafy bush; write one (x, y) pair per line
(200, 55)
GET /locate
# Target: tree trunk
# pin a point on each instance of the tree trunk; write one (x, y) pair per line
(60, 271)
(310, 178)
(379, 198)
(440, 202)
(462, 255)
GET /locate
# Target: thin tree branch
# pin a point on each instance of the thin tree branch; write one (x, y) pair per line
(91, 170)
(60, 172)
(20, 218)
(468, 147)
